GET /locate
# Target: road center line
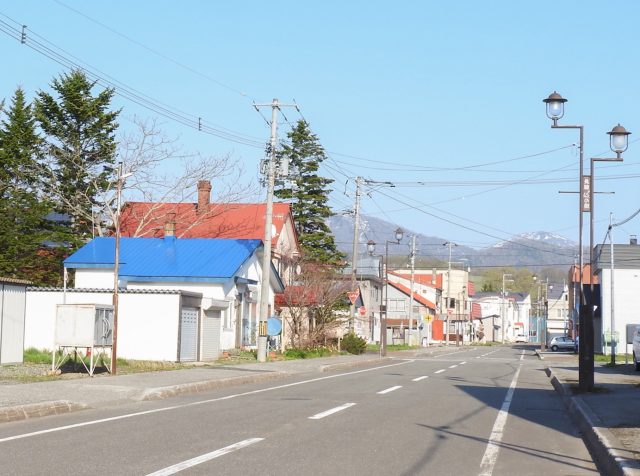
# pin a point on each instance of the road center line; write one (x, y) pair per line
(453, 366)
(493, 446)
(331, 411)
(204, 458)
(462, 363)
(191, 404)
(390, 389)
(417, 379)
(439, 371)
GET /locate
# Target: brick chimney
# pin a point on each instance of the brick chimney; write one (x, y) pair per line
(204, 192)
(170, 225)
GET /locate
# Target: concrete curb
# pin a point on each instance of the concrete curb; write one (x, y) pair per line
(32, 410)
(161, 393)
(606, 449)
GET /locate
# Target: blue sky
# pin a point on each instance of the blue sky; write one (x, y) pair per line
(444, 100)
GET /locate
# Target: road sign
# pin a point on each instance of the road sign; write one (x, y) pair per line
(362, 310)
(450, 311)
(353, 295)
(428, 318)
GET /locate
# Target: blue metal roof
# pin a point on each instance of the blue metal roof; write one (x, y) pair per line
(164, 259)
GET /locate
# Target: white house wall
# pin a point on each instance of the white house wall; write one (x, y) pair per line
(147, 323)
(94, 278)
(627, 301)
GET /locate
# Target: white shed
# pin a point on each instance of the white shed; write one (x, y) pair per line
(12, 316)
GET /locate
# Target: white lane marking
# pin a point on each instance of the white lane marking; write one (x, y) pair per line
(176, 468)
(493, 446)
(390, 389)
(331, 411)
(522, 355)
(185, 405)
(439, 371)
(462, 363)
(417, 379)
(476, 357)
(453, 366)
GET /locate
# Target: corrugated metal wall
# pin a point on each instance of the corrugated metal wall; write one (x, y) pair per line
(12, 307)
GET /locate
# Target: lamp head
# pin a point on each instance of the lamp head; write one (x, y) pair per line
(619, 139)
(399, 234)
(555, 106)
(371, 246)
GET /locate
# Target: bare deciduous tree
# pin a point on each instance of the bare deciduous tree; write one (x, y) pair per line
(314, 307)
(159, 172)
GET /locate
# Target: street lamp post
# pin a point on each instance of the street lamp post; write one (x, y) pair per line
(399, 233)
(618, 138)
(618, 142)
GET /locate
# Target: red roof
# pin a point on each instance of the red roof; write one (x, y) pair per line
(423, 279)
(471, 289)
(296, 295)
(218, 220)
(476, 310)
(416, 297)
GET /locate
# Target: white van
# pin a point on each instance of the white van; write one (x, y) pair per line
(636, 347)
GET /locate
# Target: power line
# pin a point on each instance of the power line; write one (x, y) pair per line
(189, 120)
(151, 50)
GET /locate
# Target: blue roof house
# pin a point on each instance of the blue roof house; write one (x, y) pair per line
(218, 281)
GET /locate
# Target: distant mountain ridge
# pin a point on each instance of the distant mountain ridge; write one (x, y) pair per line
(531, 249)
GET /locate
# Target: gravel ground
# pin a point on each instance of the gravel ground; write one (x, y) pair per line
(22, 373)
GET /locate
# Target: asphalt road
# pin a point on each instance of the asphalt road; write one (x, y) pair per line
(471, 411)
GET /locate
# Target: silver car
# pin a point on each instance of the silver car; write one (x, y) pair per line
(562, 343)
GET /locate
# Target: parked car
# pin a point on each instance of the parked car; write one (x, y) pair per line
(562, 343)
(636, 347)
(521, 338)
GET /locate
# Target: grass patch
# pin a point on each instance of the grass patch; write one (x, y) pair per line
(311, 353)
(607, 358)
(391, 347)
(36, 356)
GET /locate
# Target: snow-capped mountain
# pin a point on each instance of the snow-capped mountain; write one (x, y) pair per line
(532, 249)
(542, 237)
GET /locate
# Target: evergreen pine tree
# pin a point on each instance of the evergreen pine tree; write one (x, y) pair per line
(80, 133)
(308, 194)
(23, 208)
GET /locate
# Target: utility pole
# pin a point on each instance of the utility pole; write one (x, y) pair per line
(354, 254)
(446, 333)
(266, 257)
(116, 270)
(413, 267)
(503, 302)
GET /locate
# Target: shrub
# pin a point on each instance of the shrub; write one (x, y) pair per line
(353, 344)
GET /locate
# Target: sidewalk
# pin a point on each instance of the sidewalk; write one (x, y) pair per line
(609, 417)
(20, 401)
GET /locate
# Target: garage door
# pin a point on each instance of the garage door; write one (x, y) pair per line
(211, 335)
(189, 334)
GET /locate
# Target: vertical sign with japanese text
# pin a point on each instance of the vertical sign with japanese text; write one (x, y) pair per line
(585, 193)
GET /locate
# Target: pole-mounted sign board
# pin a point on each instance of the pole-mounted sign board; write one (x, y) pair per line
(585, 193)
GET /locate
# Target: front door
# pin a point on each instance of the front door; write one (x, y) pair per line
(189, 334)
